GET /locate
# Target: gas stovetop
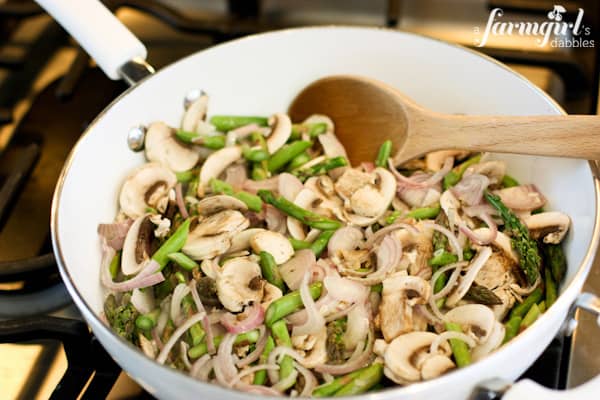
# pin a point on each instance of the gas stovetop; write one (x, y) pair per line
(49, 93)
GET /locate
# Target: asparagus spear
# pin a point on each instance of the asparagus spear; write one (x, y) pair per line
(385, 150)
(526, 247)
(523, 308)
(366, 379)
(253, 202)
(282, 337)
(269, 270)
(183, 261)
(289, 303)
(320, 242)
(145, 322)
(511, 328)
(424, 212)
(172, 244)
(286, 154)
(214, 142)
(226, 123)
(454, 176)
(482, 295)
(460, 350)
(329, 389)
(508, 181)
(533, 314)
(320, 168)
(306, 217)
(298, 244)
(550, 287)
(202, 349)
(260, 377)
(298, 161)
(554, 258)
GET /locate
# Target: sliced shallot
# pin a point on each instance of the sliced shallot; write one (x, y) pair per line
(255, 315)
(149, 275)
(180, 202)
(115, 233)
(314, 321)
(164, 353)
(346, 238)
(432, 180)
(470, 188)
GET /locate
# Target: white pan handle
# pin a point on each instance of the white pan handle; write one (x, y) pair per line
(98, 31)
(528, 390)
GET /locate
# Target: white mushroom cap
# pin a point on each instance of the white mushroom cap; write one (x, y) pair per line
(239, 284)
(195, 114)
(551, 226)
(479, 318)
(161, 146)
(435, 366)
(202, 248)
(225, 221)
(215, 164)
(399, 354)
(214, 204)
(146, 186)
(241, 241)
(274, 243)
(212, 236)
(281, 131)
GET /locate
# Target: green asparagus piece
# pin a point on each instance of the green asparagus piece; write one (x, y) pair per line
(526, 247)
(183, 261)
(289, 303)
(297, 130)
(385, 150)
(145, 322)
(260, 377)
(523, 308)
(468, 254)
(542, 306)
(460, 350)
(121, 315)
(270, 271)
(511, 328)
(226, 123)
(454, 176)
(317, 129)
(172, 244)
(286, 154)
(530, 317)
(214, 142)
(441, 258)
(318, 169)
(282, 337)
(390, 219)
(424, 212)
(554, 258)
(185, 176)
(550, 287)
(369, 377)
(508, 181)
(377, 288)
(320, 242)
(298, 244)
(255, 155)
(259, 173)
(482, 295)
(298, 161)
(201, 349)
(180, 278)
(115, 265)
(306, 217)
(329, 389)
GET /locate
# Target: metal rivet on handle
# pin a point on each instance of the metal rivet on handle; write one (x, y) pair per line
(135, 138)
(192, 96)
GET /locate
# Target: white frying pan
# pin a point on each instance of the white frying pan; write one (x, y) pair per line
(260, 75)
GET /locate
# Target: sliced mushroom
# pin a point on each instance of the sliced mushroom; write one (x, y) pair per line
(214, 204)
(436, 159)
(239, 284)
(352, 180)
(136, 247)
(212, 236)
(370, 202)
(241, 241)
(195, 114)
(400, 294)
(274, 243)
(478, 319)
(146, 186)
(281, 129)
(162, 146)
(215, 164)
(202, 248)
(551, 226)
(417, 249)
(435, 366)
(225, 221)
(400, 356)
(314, 347)
(450, 204)
(491, 344)
(295, 268)
(501, 242)
(494, 170)
(304, 199)
(270, 294)
(522, 198)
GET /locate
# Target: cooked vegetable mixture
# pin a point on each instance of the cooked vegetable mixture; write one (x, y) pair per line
(247, 252)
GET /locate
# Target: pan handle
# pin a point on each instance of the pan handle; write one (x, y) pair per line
(113, 46)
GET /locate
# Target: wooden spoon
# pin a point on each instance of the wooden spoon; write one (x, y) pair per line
(367, 112)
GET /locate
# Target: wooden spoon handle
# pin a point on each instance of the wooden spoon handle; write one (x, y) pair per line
(576, 136)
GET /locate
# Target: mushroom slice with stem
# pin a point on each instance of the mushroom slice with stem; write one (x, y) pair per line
(274, 243)
(215, 164)
(369, 202)
(281, 129)
(136, 247)
(400, 356)
(435, 159)
(224, 221)
(241, 241)
(206, 247)
(239, 284)
(304, 199)
(212, 236)
(162, 146)
(214, 204)
(195, 114)
(551, 226)
(146, 186)
(522, 198)
(314, 348)
(399, 295)
(477, 318)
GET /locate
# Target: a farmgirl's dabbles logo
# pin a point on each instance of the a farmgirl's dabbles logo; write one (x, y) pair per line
(540, 31)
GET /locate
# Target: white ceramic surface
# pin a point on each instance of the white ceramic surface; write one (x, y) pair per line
(260, 75)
